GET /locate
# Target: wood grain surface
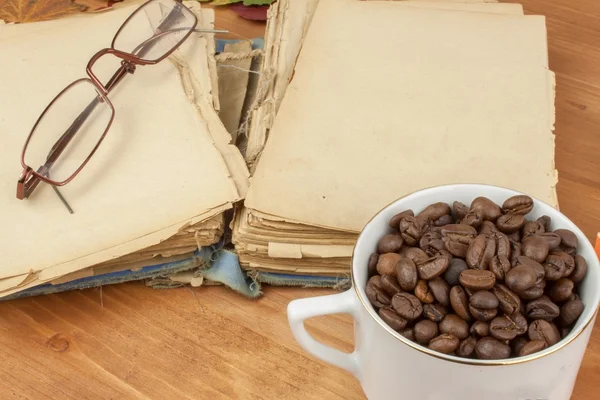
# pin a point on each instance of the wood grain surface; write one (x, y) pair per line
(132, 342)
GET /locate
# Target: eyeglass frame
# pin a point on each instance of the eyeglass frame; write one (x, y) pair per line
(30, 179)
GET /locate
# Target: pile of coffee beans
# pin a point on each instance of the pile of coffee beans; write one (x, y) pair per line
(478, 282)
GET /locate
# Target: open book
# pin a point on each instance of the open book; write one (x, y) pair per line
(156, 189)
(378, 99)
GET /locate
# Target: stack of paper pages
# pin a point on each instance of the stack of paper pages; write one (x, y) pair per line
(386, 98)
(156, 190)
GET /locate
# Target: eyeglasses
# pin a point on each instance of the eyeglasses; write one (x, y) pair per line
(74, 124)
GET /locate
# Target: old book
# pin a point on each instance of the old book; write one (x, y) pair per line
(159, 183)
(354, 132)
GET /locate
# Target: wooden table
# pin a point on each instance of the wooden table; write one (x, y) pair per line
(128, 341)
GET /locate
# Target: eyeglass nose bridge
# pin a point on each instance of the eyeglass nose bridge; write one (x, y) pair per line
(128, 64)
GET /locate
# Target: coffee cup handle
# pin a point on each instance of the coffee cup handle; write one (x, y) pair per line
(300, 310)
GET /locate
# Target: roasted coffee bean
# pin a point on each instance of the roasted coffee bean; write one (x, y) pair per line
(488, 227)
(537, 267)
(440, 290)
(515, 252)
(519, 204)
(444, 343)
(573, 296)
(546, 222)
(407, 306)
(391, 317)
(395, 221)
(564, 331)
(508, 300)
(406, 274)
(554, 267)
(425, 330)
(459, 210)
(389, 243)
(515, 236)
(568, 238)
(459, 302)
(580, 269)
(532, 228)
(411, 229)
(569, 250)
(534, 292)
(473, 218)
(387, 263)
(480, 328)
(444, 253)
(532, 347)
(542, 308)
(435, 211)
(408, 333)
(423, 293)
(466, 348)
(457, 238)
(482, 314)
(503, 328)
(484, 299)
(452, 274)
(500, 267)
(389, 283)
(570, 311)
(569, 263)
(488, 348)
(552, 238)
(544, 330)
(535, 247)
(540, 272)
(509, 223)
(517, 344)
(416, 254)
(372, 266)
(431, 242)
(434, 312)
(520, 322)
(503, 246)
(561, 290)
(521, 277)
(481, 251)
(433, 267)
(375, 293)
(489, 210)
(436, 229)
(477, 279)
(443, 220)
(455, 326)
(457, 249)
(460, 233)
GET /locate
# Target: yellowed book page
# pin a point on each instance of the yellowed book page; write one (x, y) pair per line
(294, 268)
(447, 1)
(233, 82)
(286, 28)
(475, 6)
(462, 98)
(341, 263)
(244, 232)
(286, 250)
(157, 170)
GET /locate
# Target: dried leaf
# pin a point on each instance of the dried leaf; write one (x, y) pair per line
(43, 10)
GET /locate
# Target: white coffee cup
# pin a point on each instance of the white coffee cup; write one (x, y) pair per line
(390, 366)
